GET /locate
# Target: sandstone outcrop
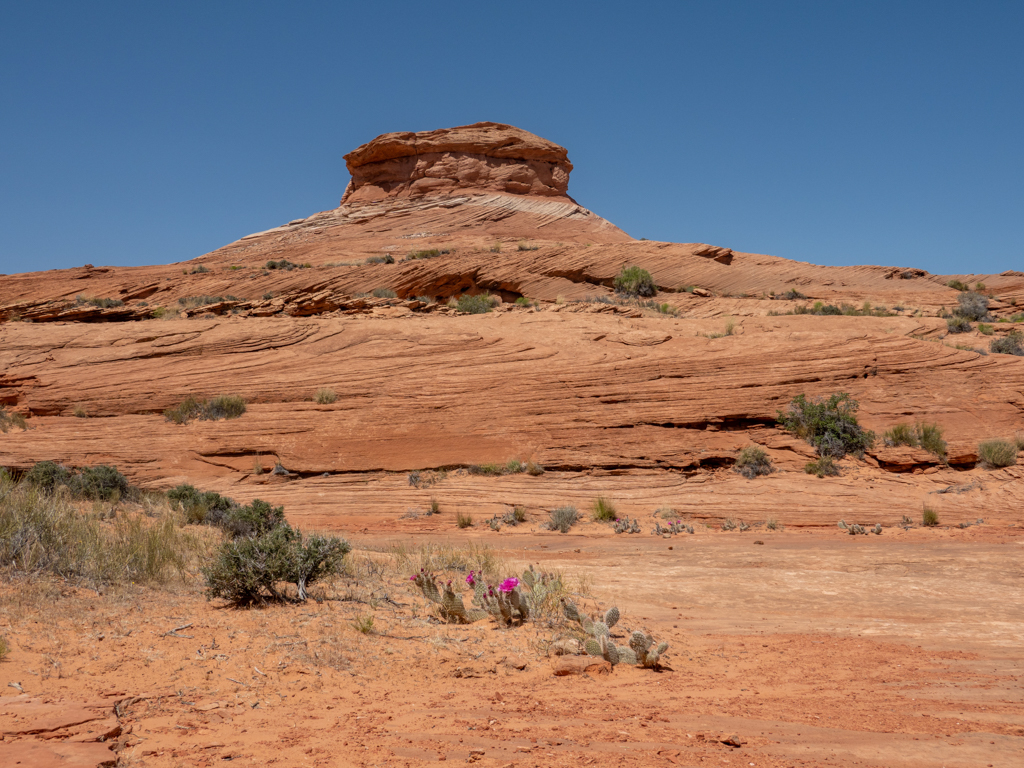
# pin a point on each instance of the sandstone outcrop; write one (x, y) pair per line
(480, 157)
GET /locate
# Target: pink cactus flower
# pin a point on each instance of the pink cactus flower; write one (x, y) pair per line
(509, 584)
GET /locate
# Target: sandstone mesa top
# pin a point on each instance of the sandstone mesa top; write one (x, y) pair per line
(484, 157)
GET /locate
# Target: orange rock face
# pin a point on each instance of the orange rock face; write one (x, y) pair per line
(487, 157)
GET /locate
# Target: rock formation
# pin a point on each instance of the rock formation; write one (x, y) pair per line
(483, 157)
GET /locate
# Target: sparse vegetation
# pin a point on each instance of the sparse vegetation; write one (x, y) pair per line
(8, 420)
(199, 270)
(200, 507)
(476, 304)
(985, 330)
(325, 396)
(101, 303)
(957, 285)
(285, 265)
(193, 302)
(1011, 344)
(524, 246)
(463, 519)
(922, 434)
(929, 517)
(496, 248)
(753, 461)
(958, 324)
(99, 483)
(830, 425)
(791, 295)
(363, 624)
(5, 648)
(604, 510)
(825, 466)
(384, 293)
(635, 281)
(387, 258)
(79, 412)
(972, 306)
(997, 453)
(563, 518)
(220, 407)
(430, 253)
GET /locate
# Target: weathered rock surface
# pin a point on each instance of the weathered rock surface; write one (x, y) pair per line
(612, 398)
(483, 156)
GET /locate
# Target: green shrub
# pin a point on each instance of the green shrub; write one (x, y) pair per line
(791, 295)
(463, 519)
(47, 475)
(972, 305)
(363, 624)
(563, 518)
(930, 437)
(901, 434)
(957, 324)
(199, 270)
(387, 258)
(325, 396)
(220, 407)
(956, 285)
(384, 293)
(604, 510)
(476, 305)
(997, 453)
(427, 299)
(522, 301)
(985, 330)
(823, 467)
(929, 517)
(199, 507)
(1011, 344)
(753, 461)
(829, 425)
(285, 265)
(635, 281)
(100, 483)
(8, 420)
(253, 520)
(248, 570)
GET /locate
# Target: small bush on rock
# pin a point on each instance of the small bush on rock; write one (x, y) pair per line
(826, 466)
(563, 518)
(958, 324)
(829, 425)
(753, 461)
(635, 281)
(604, 510)
(972, 306)
(325, 396)
(8, 420)
(997, 453)
(1011, 344)
(220, 407)
(476, 305)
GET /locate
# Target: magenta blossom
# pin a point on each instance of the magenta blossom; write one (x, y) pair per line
(509, 584)
(471, 579)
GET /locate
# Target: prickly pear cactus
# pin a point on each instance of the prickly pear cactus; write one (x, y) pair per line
(450, 605)
(599, 641)
(647, 653)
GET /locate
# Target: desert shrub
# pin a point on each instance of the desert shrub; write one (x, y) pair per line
(430, 253)
(248, 570)
(476, 305)
(522, 301)
(635, 281)
(958, 324)
(901, 434)
(563, 518)
(363, 624)
(534, 469)
(997, 453)
(985, 330)
(387, 258)
(972, 306)
(792, 295)
(524, 246)
(929, 517)
(325, 396)
(930, 437)
(79, 412)
(1018, 440)
(427, 299)
(8, 420)
(496, 248)
(825, 466)
(43, 532)
(435, 507)
(253, 520)
(830, 425)
(220, 407)
(463, 519)
(510, 467)
(285, 265)
(384, 293)
(102, 482)
(753, 461)
(4, 648)
(1011, 344)
(201, 269)
(47, 475)
(200, 507)
(101, 303)
(603, 510)
(957, 285)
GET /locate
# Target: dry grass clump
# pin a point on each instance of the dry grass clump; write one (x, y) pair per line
(463, 519)
(43, 532)
(325, 396)
(604, 510)
(997, 453)
(922, 434)
(220, 407)
(754, 461)
(563, 518)
(929, 517)
(8, 420)
(826, 466)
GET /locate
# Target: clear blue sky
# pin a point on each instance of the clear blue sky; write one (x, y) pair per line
(831, 132)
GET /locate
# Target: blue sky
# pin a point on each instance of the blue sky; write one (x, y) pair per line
(830, 132)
